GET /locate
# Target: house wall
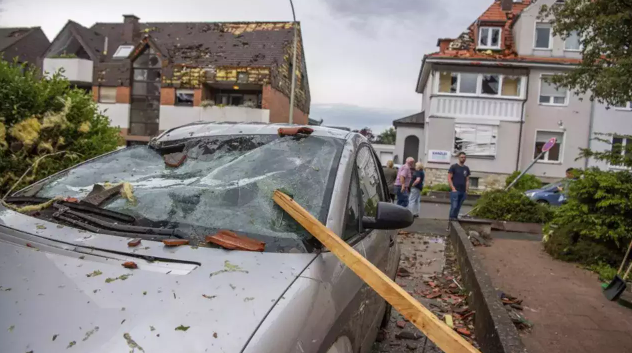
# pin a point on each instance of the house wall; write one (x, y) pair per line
(608, 121)
(575, 117)
(279, 106)
(118, 113)
(524, 31)
(384, 152)
(401, 133)
(174, 116)
(442, 138)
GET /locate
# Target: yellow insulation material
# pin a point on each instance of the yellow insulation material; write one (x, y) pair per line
(26, 131)
(3, 137)
(32, 208)
(84, 127)
(58, 119)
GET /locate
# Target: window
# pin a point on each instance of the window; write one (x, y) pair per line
(448, 82)
(622, 146)
(549, 94)
(249, 99)
(511, 86)
(352, 216)
(184, 97)
(490, 84)
(145, 109)
(370, 187)
(475, 140)
(242, 77)
(555, 153)
(107, 94)
(468, 83)
(572, 42)
(627, 106)
(543, 36)
(123, 51)
(489, 37)
(473, 183)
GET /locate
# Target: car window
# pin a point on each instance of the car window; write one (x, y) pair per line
(226, 182)
(352, 216)
(369, 177)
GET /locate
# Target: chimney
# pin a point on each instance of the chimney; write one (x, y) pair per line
(131, 29)
(444, 44)
(506, 5)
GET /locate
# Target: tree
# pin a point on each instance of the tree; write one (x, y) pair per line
(46, 117)
(605, 31)
(387, 137)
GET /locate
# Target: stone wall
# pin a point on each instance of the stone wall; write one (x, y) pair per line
(486, 181)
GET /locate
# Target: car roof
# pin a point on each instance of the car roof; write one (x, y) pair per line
(202, 129)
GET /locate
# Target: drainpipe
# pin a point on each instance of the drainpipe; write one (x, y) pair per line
(524, 103)
(590, 129)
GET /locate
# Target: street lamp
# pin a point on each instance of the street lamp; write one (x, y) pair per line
(291, 120)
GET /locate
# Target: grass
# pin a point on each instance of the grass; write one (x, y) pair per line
(606, 272)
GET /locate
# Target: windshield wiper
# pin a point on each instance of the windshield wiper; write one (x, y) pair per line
(112, 228)
(86, 207)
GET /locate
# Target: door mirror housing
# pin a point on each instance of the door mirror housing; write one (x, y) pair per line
(389, 216)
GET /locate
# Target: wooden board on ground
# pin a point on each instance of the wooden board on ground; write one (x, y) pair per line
(436, 330)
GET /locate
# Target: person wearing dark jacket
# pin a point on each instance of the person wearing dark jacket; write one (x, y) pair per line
(390, 173)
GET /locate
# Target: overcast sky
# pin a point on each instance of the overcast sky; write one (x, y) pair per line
(363, 56)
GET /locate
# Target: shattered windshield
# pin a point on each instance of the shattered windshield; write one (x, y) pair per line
(225, 182)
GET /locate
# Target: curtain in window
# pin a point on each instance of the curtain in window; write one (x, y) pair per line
(476, 140)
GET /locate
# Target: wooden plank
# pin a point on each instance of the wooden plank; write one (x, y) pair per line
(436, 330)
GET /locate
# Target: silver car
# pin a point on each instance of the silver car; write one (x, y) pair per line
(63, 286)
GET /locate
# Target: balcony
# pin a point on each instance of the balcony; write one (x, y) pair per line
(75, 70)
(174, 116)
(476, 108)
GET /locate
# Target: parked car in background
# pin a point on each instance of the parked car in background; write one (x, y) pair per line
(65, 273)
(548, 194)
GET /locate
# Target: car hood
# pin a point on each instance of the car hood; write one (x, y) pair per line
(62, 288)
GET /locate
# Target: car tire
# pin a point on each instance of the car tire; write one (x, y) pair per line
(544, 202)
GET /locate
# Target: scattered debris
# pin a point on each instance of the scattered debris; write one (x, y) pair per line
(214, 334)
(232, 286)
(182, 328)
(94, 273)
(41, 226)
(401, 323)
(130, 265)
(247, 299)
(293, 131)
(121, 277)
(134, 242)
(407, 335)
(463, 331)
(232, 241)
(55, 336)
(403, 272)
(448, 320)
(411, 346)
(144, 292)
(513, 306)
(175, 242)
(11, 328)
(209, 296)
(476, 239)
(90, 333)
(151, 328)
(174, 160)
(131, 343)
(228, 267)
(72, 343)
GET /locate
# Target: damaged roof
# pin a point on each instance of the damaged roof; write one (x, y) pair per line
(208, 43)
(8, 36)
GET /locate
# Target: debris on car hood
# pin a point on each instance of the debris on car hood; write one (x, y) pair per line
(232, 241)
(174, 160)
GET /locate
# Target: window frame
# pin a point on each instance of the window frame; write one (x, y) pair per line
(175, 100)
(626, 108)
(100, 95)
(579, 49)
(482, 156)
(623, 150)
(123, 47)
(479, 89)
(551, 102)
(546, 155)
(489, 30)
(535, 36)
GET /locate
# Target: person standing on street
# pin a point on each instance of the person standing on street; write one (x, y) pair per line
(402, 183)
(459, 181)
(390, 173)
(417, 184)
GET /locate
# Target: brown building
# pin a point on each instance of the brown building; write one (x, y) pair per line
(149, 77)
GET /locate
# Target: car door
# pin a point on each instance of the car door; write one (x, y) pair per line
(375, 243)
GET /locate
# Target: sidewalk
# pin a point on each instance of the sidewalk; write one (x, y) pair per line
(565, 303)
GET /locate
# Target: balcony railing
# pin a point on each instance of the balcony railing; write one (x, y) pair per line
(75, 69)
(477, 108)
(174, 116)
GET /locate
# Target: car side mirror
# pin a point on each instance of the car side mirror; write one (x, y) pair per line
(389, 216)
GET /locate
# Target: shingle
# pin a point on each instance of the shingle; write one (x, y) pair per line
(415, 119)
(8, 36)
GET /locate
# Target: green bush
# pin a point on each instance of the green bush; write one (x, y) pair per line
(527, 182)
(440, 187)
(511, 206)
(564, 244)
(606, 272)
(425, 191)
(41, 117)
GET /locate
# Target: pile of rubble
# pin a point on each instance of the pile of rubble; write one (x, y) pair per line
(514, 308)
